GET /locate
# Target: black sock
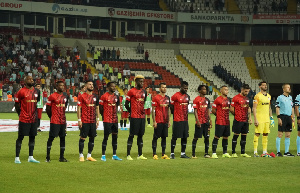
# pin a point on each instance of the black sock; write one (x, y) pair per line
(81, 145)
(104, 144)
(148, 120)
(91, 145)
(114, 143)
(140, 145)
(224, 145)
(154, 145)
(234, 142)
(19, 144)
(206, 142)
(194, 143)
(243, 143)
(183, 144)
(173, 144)
(215, 145)
(125, 122)
(62, 146)
(49, 144)
(31, 145)
(129, 144)
(121, 123)
(163, 145)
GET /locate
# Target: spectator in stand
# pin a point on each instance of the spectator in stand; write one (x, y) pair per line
(104, 86)
(70, 67)
(104, 53)
(72, 81)
(43, 82)
(45, 95)
(139, 49)
(68, 81)
(113, 53)
(118, 54)
(90, 76)
(106, 66)
(108, 53)
(119, 77)
(153, 80)
(48, 80)
(96, 57)
(142, 49)
(83, 67)
(146, 55)
(100, 74)
(210, 89)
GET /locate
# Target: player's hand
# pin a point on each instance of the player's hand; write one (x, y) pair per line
(169, 124)
(256, 122)
(198, 124)
(79, 124)
(97, 124)
(250, 121)
(272, 122)
(154, 124)
(279, 122)
(210, 125)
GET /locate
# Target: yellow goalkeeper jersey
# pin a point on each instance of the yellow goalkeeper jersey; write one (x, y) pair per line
(263, 107)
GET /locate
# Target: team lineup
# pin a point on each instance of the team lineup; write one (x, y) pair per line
(136, 105)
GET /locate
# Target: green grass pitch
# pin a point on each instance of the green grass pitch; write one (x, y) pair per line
(194, 175)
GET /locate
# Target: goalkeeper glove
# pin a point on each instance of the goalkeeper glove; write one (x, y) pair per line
(272, 122)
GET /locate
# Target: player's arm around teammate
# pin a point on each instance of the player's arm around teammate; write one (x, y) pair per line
(285, 115)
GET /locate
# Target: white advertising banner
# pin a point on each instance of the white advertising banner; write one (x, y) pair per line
(214, 18)
(141, 14)
(276, 19)
(52, 8)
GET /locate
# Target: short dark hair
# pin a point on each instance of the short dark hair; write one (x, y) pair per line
(245, 86)
(89, 81)
(137, 79)
(108, 84)
(58, 82)
(285, 84)
(259, 84)
(184, 83)
(201, 86)
(125, 89)
(223, 86)
(162, 83)
(82, 86)
(37, 84)
(147, 87)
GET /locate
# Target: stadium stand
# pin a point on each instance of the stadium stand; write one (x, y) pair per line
(278, 59)
(263, 6)
(231, 61)
(130, 4)
(199, 6)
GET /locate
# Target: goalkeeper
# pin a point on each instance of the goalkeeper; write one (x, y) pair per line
(263, 118)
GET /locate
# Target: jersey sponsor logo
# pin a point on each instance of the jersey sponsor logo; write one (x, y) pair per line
(140, 99)
(78, 103)
(232, 103)
(153, 103)
(111, 104)
(184, 104)
(31, 101)
(214, 105)
(60, 105)
(164, 105)
(90, 105)
(101, 101)
(225, 107)
(245, 105)
(265, 103)
(203, 106)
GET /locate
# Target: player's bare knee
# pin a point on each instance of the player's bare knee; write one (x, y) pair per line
(225, 137)
(265, 134)
(257, 134)
(82, 138)
(217, 137)
(287, 135)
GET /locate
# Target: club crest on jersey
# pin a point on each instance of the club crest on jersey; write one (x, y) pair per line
(94, 99)
(36, 95)
(65, 99)
(206, 102)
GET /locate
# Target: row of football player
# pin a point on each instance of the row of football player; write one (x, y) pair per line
(88, 119)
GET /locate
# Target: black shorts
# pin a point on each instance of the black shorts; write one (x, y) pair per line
(180, 129)
(202, 131)
(137, 126)
(222, 131)
(58, 130)
(110, 128)
(240, 127)
(28, 129)
(88, 129)
(161, 130)
(287, 124)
